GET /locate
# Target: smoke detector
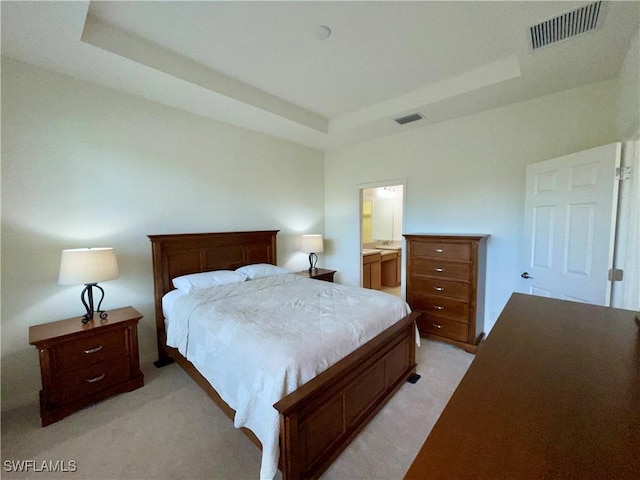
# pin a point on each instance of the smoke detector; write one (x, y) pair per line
(322, 32)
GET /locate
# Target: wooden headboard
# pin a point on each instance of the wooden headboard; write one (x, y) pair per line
(180, 254)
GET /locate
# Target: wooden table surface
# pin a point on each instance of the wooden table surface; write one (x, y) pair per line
(554, 392)
(54, 331)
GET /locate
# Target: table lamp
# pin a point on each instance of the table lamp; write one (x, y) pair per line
(312, 244)
(88, 266)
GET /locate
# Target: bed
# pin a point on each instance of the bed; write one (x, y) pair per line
(321, 416)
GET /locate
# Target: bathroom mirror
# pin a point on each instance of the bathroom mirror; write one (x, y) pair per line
(382, 214)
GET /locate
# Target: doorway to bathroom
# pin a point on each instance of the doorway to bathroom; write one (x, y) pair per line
(382, 206)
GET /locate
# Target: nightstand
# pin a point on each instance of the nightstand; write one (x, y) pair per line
(81, 363)
(318, 274)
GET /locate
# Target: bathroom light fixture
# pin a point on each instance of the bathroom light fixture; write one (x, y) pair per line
(88, 266)
(386, 192)
(312, 244)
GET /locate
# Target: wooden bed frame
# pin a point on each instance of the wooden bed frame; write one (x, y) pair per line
(319, 419)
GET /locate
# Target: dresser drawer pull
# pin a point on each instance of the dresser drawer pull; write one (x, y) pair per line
(439, 289)
(96, 379)
(439, 250)
(93, 350)
(439, 269)
(438, 307)
(437, 325)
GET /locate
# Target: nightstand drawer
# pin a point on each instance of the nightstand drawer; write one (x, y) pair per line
(453, 251)
(80, 383)
(441, 269)
(444, 327)
(442, 306)
(443, 288)
(91, 350)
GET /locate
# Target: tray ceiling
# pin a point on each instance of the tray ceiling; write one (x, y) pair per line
(261, 65)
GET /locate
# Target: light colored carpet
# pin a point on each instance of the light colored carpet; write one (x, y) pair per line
(170, 429)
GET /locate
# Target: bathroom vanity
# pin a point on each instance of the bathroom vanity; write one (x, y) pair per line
(381, 266)
(371, 269)
(391, 258)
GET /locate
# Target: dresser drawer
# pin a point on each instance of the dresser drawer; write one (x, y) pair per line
(73, 385)
(441, 269)
(444, 327)
(444, 288)
(453, 251)
(91, 350)
(443, 306)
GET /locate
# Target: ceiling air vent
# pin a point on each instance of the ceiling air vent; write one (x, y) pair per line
(564, 26)
(409, 118)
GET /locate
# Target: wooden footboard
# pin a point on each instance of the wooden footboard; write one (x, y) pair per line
(320, 419)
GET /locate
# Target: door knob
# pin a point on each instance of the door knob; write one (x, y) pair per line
(526, 275)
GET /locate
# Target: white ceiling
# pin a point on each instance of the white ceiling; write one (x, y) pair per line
(258, 64)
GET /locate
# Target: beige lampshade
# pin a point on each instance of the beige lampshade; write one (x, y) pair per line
(311, 243)
(87, 265)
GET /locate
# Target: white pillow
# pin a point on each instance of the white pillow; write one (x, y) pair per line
(260, 270)
(200, 281)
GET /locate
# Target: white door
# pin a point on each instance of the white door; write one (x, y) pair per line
(570, 211)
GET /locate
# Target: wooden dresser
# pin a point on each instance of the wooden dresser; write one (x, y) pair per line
(445, 284)
(554, 392)
(83, 363)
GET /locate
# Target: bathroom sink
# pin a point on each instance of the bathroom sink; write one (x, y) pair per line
(370, 251)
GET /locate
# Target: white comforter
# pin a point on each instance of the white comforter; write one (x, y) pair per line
(259, 340)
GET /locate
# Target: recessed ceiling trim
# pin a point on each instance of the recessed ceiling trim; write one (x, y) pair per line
(120, 42)
(490, 74)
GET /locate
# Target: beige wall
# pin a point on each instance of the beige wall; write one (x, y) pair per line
(628, 105)
(467, 176)
(83, 165)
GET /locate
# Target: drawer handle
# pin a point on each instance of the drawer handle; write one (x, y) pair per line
(438, 289)
(439, 269)
(438, 307)
(93, 350)
(437, 325)
(439, 250)
(96, 379)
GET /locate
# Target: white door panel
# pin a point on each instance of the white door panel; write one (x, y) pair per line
(570, 208)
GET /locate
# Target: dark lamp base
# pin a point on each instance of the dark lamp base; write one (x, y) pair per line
(88, 303)
(313, 260)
